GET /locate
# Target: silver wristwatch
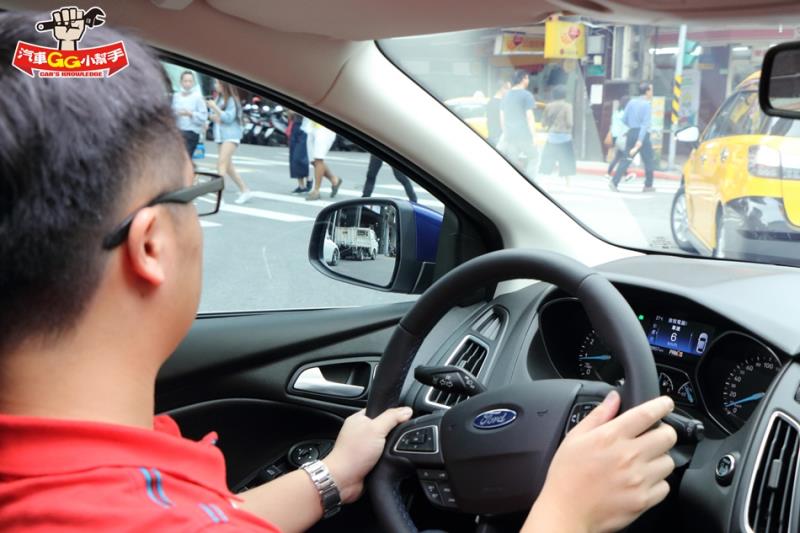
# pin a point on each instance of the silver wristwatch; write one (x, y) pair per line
(326, 486)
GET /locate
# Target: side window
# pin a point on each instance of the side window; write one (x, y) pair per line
(256, 247)
(724, 123)
(750, 121)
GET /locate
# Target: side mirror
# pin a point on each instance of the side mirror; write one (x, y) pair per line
(689, 134)
(779, 88)
(384, 244)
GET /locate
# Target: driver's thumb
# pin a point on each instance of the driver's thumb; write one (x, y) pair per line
(601, 414)
(387, 420)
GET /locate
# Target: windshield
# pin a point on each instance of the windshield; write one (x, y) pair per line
(651, 137)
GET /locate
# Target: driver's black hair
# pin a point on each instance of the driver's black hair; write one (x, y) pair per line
(69, 151)
(644, 87)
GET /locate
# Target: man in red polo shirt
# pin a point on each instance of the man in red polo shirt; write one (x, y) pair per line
(100, 270)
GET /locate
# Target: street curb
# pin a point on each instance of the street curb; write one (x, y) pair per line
(658, 174)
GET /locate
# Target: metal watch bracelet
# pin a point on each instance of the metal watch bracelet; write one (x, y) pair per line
(326, 486)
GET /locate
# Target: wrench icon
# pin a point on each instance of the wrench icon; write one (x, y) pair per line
(69, 24)
(92, 18)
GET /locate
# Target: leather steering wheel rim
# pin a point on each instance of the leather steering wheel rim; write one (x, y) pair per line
(609, 314)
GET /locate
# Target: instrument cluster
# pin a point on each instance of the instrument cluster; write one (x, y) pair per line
(703, 363)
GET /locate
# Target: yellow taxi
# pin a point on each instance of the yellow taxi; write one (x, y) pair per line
(740, 194)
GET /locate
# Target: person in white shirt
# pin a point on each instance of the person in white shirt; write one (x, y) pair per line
(319, 142)
(190, 111)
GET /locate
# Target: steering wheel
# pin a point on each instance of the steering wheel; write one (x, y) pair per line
(490, 453)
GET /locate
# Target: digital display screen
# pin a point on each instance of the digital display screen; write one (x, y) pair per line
(678, 337)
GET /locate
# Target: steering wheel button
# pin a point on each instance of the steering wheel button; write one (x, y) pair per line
(432, 491)
(435, 475)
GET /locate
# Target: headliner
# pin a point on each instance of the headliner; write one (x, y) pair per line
(358, 20)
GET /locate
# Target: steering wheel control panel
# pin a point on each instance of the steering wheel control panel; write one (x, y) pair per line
(579, 412)
(436, 487)
(422, 440)
(709, 368)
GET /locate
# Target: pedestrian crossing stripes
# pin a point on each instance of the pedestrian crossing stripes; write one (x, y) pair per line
(586, 191)
(263, 213)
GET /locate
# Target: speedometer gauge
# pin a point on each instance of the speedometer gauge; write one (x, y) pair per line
(747, 383)
(734, 375)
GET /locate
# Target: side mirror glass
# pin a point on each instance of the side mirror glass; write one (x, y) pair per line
(385, 244)
(779, 89)
(688, 135)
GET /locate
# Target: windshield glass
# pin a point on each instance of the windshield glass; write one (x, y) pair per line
(651, 137)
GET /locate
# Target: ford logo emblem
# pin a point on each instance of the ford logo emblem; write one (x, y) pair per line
(496, 418)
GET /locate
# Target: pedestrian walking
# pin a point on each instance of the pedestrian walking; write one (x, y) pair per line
(190, 111)
(375, 164)
(493, 122)
(616, 138)
(558, 149)
(226, 114)
(638, 118)
(298, 153)
(319, 142)
(518, 124)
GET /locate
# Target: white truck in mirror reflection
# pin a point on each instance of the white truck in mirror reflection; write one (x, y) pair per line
(356, 243)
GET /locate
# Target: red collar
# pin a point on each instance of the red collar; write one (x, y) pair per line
(33, 446)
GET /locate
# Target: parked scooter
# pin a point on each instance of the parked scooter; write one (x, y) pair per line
(252, 123)
(280, 121)
(275, 125)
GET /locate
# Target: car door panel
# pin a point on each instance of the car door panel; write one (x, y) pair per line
(700, 191)
(255, 355)
(232, 375)
(254, 433)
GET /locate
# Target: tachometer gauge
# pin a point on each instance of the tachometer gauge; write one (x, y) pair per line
(746, 384)
(595, 360)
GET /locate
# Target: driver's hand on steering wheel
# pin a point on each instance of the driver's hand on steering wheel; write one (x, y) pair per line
(608, 470)
(359, 446)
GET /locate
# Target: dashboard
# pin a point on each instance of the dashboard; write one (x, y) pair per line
(723, 337)
(710, 367)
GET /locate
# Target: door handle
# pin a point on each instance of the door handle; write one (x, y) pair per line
(312, 380)
(723, 156)
(703, 158)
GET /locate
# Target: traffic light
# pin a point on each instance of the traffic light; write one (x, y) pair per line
(691, 51)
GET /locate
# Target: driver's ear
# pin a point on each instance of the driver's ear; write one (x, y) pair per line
(145, 244)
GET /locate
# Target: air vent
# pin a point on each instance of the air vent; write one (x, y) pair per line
(489, 323)
(773, 486)
(470, 355)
